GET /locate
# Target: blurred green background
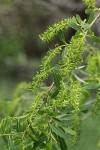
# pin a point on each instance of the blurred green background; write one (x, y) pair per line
(21, 51)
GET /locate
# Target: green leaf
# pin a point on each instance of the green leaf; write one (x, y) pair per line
(24, 125)
(6, 125)
(58, 131)
(86, 107)
(95, 39)
(85, 25)
(86, 94)
(11, 144)
(79, 79)
(40, 141)
(55, 146)
(64, 52)
(91, 18)
(69, 130)
(88, 11)
(61, 37)
(18, 126)
(17, 142)
(91, 33)
(78, 18)
(49, 145)
(59, 122)
(37, 120)
(65, 117)
(91, 86)
(54, 93)
(80, 67)
(74, 26)
(62, 143)
(57, 79)
(63, 126)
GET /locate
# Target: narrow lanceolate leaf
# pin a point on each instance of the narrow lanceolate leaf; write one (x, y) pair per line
(61, 37)
(74, 26)
(40, 141)
(91, 86)
(80, 67)
(85, 25)
(70, 131)
(63, 145)
(57, 79)
(91, 17)
(95, 39)
(78, 18)
(54, 93)
(64, 127)
(18, 126)
(58, 131)
(79, 79)
(49, 145)
(11, 144)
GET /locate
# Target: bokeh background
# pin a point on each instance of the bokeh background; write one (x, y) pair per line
(21, 50)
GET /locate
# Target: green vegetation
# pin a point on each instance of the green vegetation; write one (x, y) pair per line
(53, 115)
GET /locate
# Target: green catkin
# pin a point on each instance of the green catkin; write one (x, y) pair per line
(73, 56)
(46, 68)
(76, 126)
(37, 102)
(76, 100)
(61, 100)
(93, 64)
(69, 95)
(54, 30)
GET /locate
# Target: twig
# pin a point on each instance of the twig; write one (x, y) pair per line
(95, 20)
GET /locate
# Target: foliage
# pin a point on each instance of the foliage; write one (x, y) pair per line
(56, 113)
(90, 3)
(20, 96)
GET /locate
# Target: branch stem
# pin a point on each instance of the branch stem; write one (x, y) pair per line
(95, 20)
